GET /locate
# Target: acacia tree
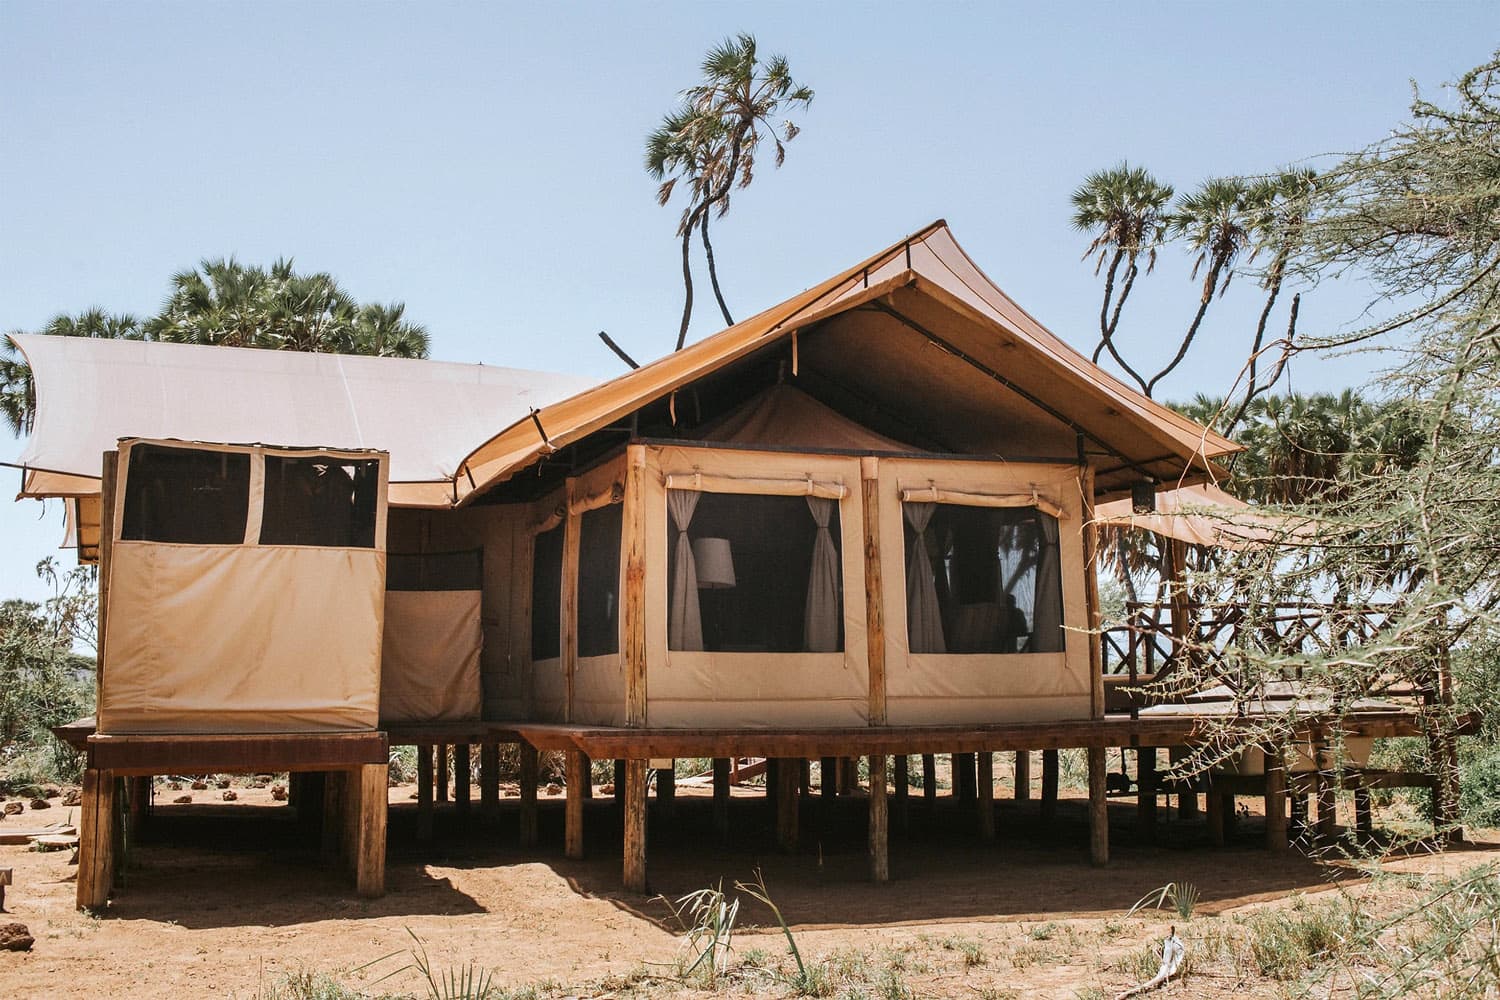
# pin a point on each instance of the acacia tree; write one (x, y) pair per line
(225, 303)
(712, 138)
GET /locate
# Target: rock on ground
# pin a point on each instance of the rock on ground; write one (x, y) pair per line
(15, 937)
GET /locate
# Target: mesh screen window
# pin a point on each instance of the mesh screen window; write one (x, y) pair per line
(185, 495)
(754, 569)
(429, 571)
(320, 501)
(546, 595)
(599, 580)
(985, 580)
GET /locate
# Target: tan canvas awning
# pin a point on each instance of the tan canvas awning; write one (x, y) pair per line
(1205, 515)
(926, 280)
(427, 414)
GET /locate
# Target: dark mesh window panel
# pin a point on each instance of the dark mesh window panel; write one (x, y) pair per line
(435, 570)
(546, 594)
(320, 501)
(982, 580)
(754, 568)
(599, 581)
(186, 495)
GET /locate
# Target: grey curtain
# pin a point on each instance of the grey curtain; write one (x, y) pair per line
(1046, 626)
(685, 618)
(823, 610)
(924, 618)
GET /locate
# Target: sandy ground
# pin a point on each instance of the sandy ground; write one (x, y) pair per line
(224, 899)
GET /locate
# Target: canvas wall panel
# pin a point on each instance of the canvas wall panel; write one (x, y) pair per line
(429, 662)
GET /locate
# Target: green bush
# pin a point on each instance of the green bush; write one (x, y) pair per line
(1479, 784)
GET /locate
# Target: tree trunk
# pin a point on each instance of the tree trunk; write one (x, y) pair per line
(687, 285)
(1210, 284)
(713, 273)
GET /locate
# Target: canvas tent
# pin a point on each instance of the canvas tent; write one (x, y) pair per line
(1205, 515)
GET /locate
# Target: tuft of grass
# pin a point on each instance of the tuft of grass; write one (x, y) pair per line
(1284, 944)
(1181, 896)
(972, 950)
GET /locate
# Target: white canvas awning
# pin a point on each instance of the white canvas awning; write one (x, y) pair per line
(1205, 515)
(427, 414)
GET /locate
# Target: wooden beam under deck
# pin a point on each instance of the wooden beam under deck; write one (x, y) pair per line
(164, 754)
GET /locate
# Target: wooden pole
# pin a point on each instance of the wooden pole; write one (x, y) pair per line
(788, 777)
(139, 801)
(1145, 773)
(1215, 802)
(568, 609)
(331, 833)
(461, 777)
(635, 826)
(369, 872)
(666, 791)
(986, 797)
(869, 471)
(588, 777)
(441, 792)
(424, 792)
(721, 797)
(1049, 786)
(1091, 594)
(1098, 808)
(634, 516)
(489, 778)
(1328, 820)
(1023, 775)
(1364, 815)
(828, 778)
(619, 781)
(902, 781)
(573, 839)
(528, 780)
(880, 851)
(96, 839)
(1276, 839)
(848, 775)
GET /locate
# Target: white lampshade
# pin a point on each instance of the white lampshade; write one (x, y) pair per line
(715, 563)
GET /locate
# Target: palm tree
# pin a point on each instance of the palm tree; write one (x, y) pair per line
(712, 139)
(1124, 209)
(1214, 221)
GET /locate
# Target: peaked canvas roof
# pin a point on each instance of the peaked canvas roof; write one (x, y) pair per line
(786, 416)
(1205, 515)
(426, 414)
(1145, 438)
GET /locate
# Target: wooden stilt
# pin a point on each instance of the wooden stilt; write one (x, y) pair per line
(440, 794)
(666, 791)
(985, 787)
(880, 851)
(1299, 827)
(619, 781)
(1049, 786)
(528, 780)
(139, 800)
(773, 770)
(489, 778)
(588, 777)
(1023, 775)
(635, 826)
(1327, 785)
(331, 836)
(424, 792)
(929, 780)
(1145, 773)
(96, 839)
(1276, 839)
(1364, 815)
(1215, 804)
(721, 797)
(902, 781)
(788, 778)
(804, 778)
(1231, 816)
(1187, 804)
(369, 817)
(964, 785)
(828, 777)
(848, 775)
(1098, 809)
(576, 777)
(461, 777)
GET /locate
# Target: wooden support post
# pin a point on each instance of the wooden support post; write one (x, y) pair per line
(902, 780)
(788, 777)
(139, 800)
(349, 818)
(96, 839)
(848, 775)
(461, 777)
(635, 826)
(588, 777)
(1300, 804)
(634, 603)
(619, 781)
(1215, 803)
(929, 780)
(1327, 786)
(575, 778)
(1364, 815)
(370, 818)
(1049, 786)
(721, 797)
(1091, 590)
(869, 476)
(1145, 774)
(962, 766)
(828, 778)
(310, 799)
(424, 792)
(1098, 808)
(1023, 775)
(772, 775)
(1276, 839)
(804, 778)
(331, 835)
(489, 778)
(880, 850)
(985, 786)
(666, 791)
(568, 609)
(528, 778)
(1187, 803)
(441, 794)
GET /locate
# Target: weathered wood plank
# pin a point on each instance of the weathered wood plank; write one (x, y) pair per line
(634, 516)
(1275, 801)
(1098, 808)
(96, 839)
(461, 777)
(568, 626)
(1048, 808)
(788, 805)
(1023, 775)
(879, 847)
(874, 593)
(528, 780)
(424, 793)
(986, 799)
(369, 869)
(573, 828)
(235, 754)
(635, 826)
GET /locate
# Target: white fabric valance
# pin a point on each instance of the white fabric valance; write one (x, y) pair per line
(936, 494)
(808, 487)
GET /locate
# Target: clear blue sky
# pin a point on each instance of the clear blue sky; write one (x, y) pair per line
(482, 162)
